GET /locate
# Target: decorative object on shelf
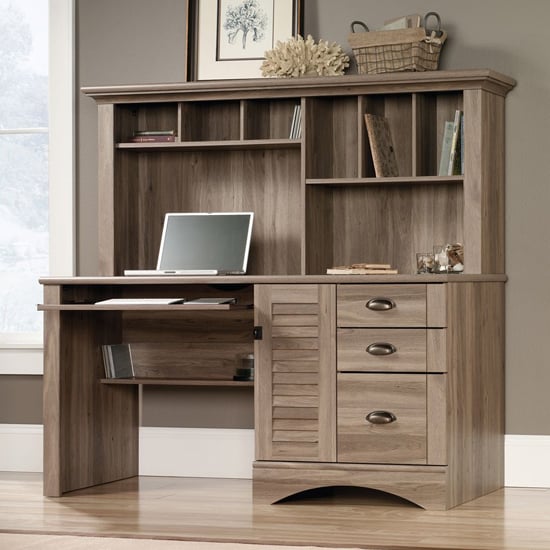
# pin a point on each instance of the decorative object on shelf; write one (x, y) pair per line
(381, 146)
(448, 258)
(424, 262)
(404, 49)
(227, 39)
(245, 372)
(303, 57)
(362, 269)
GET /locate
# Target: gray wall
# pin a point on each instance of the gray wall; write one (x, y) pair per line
(143, 41)
(20, 399)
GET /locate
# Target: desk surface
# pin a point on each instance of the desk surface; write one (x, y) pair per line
(273, 279)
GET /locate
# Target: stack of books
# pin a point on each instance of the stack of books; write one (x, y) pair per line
(362, 269)
(153, 136)
(451, 162)
(117, 360)
(296, 125)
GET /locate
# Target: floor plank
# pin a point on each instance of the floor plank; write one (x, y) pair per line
(222, 510)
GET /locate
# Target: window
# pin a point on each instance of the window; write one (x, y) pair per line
(23, 167)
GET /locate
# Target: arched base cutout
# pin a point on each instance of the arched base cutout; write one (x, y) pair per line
(347, 495)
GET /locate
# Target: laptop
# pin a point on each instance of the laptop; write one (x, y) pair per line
(213, 243)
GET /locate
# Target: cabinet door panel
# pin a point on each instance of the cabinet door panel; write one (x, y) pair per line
(295, 373)
(400, 403)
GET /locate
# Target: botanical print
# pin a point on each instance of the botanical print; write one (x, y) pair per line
(245, 28)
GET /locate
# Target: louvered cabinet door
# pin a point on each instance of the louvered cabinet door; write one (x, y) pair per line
(295, 364)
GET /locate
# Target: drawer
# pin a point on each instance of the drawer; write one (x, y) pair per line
(373, 305)
(382, 350)
(382, 418)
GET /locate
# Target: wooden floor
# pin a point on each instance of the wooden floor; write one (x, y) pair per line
(222, 510)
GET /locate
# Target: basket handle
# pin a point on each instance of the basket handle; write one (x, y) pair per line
(360, 23)
(437, 29)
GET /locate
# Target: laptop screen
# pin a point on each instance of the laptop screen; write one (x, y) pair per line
(206, 241)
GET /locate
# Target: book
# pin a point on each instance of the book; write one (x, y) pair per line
(154, 133)
(296, 125)
(107, 362)
(117, 360)
(140, 301)
(359, 271)
(462, 144)
(454, 167)
(362, 269)
(446, 148)
(298, 129)
(152, 139)
(293, 123)
(381, 146)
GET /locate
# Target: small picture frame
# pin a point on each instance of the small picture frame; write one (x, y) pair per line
(227, 39)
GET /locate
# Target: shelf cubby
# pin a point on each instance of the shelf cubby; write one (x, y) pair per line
(210, 121)
(380, 223)
(176, 345)
(265, 181)
(144, 117)
(331, 137)
(431, 111)
(397, 109)
(265, 119)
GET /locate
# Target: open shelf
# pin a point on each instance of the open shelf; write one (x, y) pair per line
(142, 307)
(409, 180)
(176, 382)
(228, 145)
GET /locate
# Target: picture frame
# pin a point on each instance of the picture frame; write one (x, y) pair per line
(227, 39)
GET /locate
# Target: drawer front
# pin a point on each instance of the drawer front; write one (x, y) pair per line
(381, 350)
(397, 434)
(372, 305)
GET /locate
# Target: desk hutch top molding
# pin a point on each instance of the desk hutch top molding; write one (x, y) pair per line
(435, 370)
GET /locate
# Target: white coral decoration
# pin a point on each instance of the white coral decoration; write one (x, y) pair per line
(299, 57)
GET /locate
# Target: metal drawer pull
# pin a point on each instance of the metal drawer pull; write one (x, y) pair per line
(380, 304)
(381, 348)
(381, 417)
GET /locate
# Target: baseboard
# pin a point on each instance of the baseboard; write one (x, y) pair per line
(21, 447)
(526, 461)
(198, 452)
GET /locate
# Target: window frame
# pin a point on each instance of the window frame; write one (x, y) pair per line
(21, 356)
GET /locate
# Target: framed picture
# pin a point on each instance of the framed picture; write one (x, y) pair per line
(227, 39)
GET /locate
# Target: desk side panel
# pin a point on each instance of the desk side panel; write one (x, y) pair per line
(475, 392)
(90, 429)
(51, 396)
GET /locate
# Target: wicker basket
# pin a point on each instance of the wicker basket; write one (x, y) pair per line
(396, 50)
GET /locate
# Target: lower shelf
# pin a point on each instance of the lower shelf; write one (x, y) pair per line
(176, 382)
